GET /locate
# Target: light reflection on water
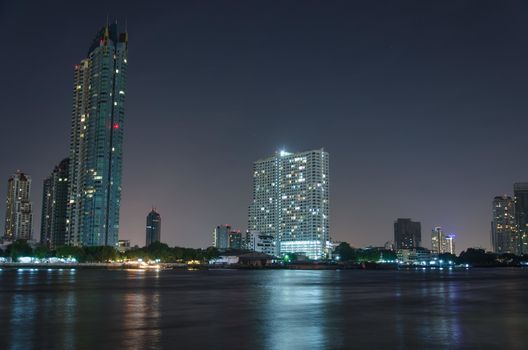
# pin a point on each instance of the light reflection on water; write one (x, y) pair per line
(278, 309)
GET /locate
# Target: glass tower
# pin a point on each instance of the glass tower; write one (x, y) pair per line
(96, 146)
(153, 230)
(19, 211)
(291, 202)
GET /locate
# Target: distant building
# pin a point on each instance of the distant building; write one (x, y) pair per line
(520, 193)
(123, 245)
(414, 256)
(291, 201)
(450, 238)
(54, 206)
(153, 230)
(260, 243)
(504, 238)
(234, 240)
(224, 237)
(441, 242)
(407, 234)
(221, 236)
(19, 211)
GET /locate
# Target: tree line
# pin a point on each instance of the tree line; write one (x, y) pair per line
(155, 251)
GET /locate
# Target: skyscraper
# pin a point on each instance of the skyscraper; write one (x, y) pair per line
(438, 241)
(153, 231)
(441, 242)
(19, 211)
(54, 206)
(97, 141)
(221, 236)
(407, 234)
(503, 228)
(520, 193)
(291, 201)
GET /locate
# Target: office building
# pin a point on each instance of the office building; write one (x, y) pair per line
(520, 194)
(96, 146)
(407, 234)
(54, 206)
(504, 238)
(260, 243)
(291, 202)
(19, 211)
(153, 228)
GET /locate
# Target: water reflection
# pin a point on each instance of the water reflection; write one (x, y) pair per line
(141, 312)
(296, 312)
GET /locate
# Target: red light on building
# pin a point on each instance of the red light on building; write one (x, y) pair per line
(116, 125)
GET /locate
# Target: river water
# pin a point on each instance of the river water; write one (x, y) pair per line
(263, 309)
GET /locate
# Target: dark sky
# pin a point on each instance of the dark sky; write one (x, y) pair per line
(422, 106)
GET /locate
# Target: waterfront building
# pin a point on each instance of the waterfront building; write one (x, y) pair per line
(260, 243)
(520, 194)
(153, 228)
(291, 202)
(407, 234)
(414, 256)
(54, 206)
(96, 146)
(504, 238)
(19, 211)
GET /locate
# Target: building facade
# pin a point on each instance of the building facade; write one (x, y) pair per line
(153, 229)
(407, 234)
(520, 194)
(441, 242)
(54, 206)
(504, 237)
(260, 243)
(19, 209)
(96, 146)
(234, 240)
(291, 202)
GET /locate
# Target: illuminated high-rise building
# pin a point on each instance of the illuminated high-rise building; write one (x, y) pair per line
(504, 238)
(54, 206)
(19, 209)
(96, 146)
(520, 193)
(153, 230)
(441, 242)
(291, 202)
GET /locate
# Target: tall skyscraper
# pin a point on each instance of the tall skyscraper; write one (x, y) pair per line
(520, 193)
(54, 206)
(504, 238)
(19, 211)
(96, 146)
(291, 202)
(153, 232)
(407, 234)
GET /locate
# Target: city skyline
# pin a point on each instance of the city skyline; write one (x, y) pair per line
(169, 104)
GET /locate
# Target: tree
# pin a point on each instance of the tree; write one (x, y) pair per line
(345, 252)
(41, 252)
(18, 249)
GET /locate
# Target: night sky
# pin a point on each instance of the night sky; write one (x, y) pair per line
(422, 106)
